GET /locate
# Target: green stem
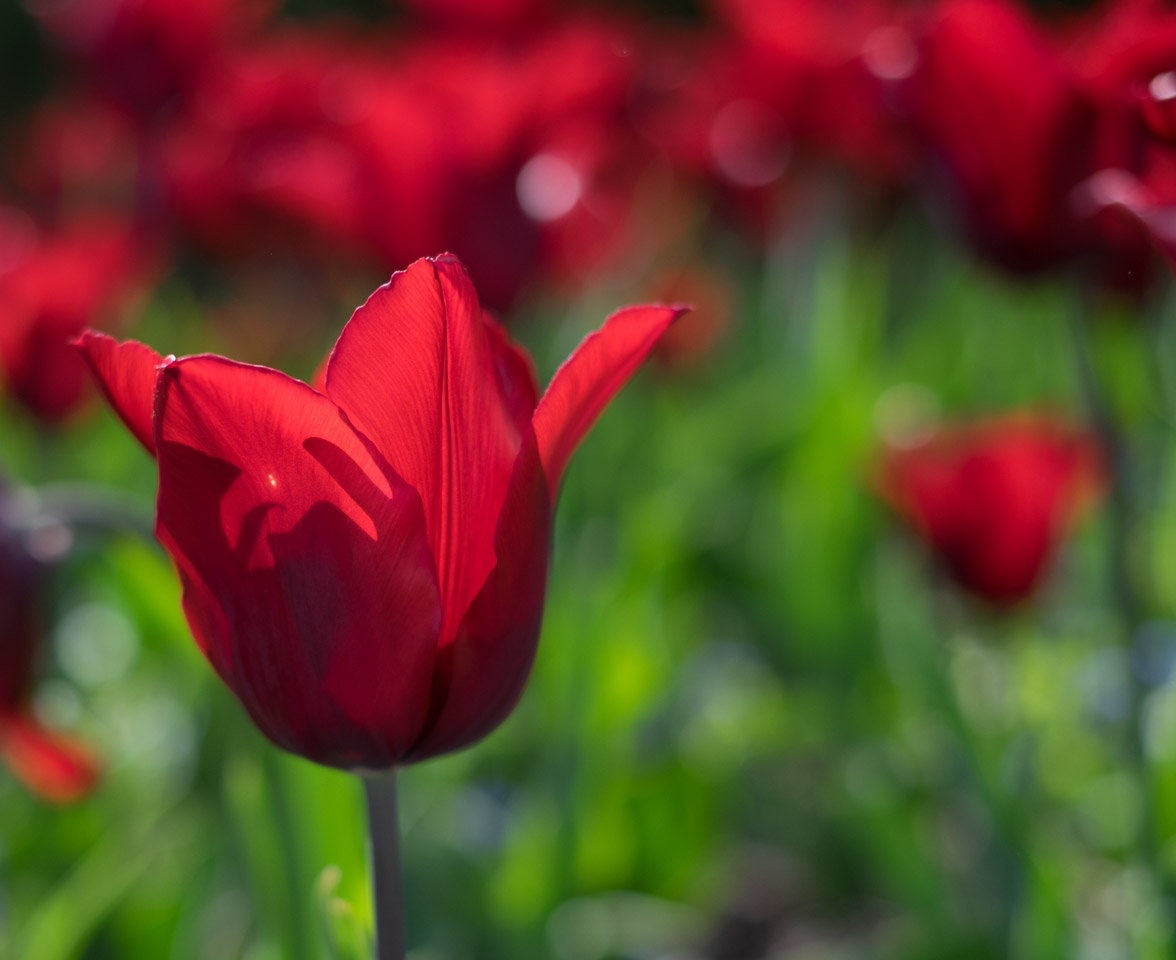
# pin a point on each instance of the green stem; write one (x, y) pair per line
(387, 887)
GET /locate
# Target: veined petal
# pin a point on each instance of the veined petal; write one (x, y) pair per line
(481, 675)
(590, 378)
(416, 371)
(126, 374)
(307, 577)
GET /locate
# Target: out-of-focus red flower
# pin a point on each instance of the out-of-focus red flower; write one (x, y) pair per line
(261, 159)
(57, 768)
(385, 148)
(1119, 46)
(76, 153)
(993, 499)
(822, 67)
(1003, 115)
(145, 54)
(365, 564)
(1125, 52)
(52, 286)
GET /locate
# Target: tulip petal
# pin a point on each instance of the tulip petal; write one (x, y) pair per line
(55, 767)
(590, 378)
(481, 675)
(416, 371)
(126, 374)
(307, 577)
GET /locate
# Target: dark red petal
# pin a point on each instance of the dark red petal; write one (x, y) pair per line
(589, 379)
(481, 675)
(416, 372)
(56, 768)
(126, 374)
(307, 578)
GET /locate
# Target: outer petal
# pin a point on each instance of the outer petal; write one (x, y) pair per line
(126, 374)
(54, 767)
(307, 578)
(590, 377)
(435, 411)
(481, 676)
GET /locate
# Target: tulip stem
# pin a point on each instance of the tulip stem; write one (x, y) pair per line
(387, 887)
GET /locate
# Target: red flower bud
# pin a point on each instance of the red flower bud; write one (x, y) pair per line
(365, 564)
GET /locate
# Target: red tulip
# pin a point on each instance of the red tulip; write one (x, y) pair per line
(993, 499)
(76, 153)
(55, 767)
(52, 286)
(324, 140)
(1002, 112)
(818, 65)
(1125, 52)
(364, 564)
(146, 53)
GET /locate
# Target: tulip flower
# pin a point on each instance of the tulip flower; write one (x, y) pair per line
(364, 561)
(54, 284)
(144, 54)
(55, 767)
(818, 67)
(994, 499)
(1002, 112)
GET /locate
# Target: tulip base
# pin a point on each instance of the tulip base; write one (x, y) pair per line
(387, 887)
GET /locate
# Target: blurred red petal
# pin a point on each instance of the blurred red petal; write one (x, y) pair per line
(55, 767)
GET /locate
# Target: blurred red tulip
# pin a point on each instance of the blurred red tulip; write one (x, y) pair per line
(382, 149)
(145, 54)
(76, 153)
(820, 67)
(1003, 113)
(52, 286)
(55, 767)
(1125, 51)
(993, 499)
(365, 565)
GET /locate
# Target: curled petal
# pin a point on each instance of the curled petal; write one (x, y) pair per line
(126, 374)
(590, 378)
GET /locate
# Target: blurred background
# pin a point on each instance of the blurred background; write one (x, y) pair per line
(860, 634)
